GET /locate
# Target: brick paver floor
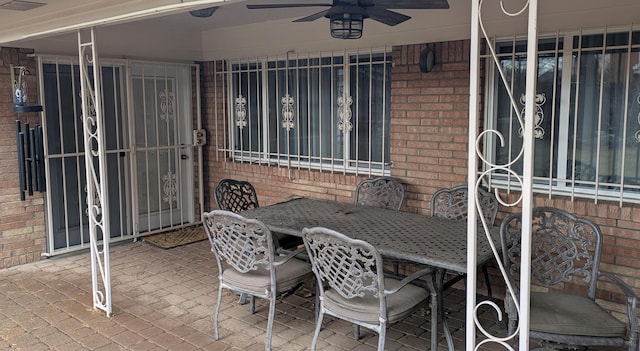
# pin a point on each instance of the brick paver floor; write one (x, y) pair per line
(164, 299)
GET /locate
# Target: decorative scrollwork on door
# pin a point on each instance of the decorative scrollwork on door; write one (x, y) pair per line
(166, 105)
(169, 188)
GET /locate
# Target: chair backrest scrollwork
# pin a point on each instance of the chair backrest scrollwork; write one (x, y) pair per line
(243, 243)
(353, 268)
(235, 195)
(453, 203)
(385, 192)
(564, 247)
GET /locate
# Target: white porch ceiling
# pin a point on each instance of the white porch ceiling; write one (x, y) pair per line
(234, 31)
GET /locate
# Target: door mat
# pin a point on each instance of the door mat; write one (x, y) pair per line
(178, 237)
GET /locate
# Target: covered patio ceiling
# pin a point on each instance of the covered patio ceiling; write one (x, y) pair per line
(234, 31)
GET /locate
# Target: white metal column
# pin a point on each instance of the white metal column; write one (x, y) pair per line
(96, 165)
(527, 181)
(476, 153)
(472, 217)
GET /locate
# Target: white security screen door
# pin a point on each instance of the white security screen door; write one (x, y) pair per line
(163, 171)
(148, 128)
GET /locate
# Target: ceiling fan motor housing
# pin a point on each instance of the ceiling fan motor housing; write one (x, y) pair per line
(346, 17)
(346, 22)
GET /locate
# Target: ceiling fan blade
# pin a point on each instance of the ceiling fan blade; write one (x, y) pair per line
(313, 17)
(385, 16)
(412, 4)
(281, 6)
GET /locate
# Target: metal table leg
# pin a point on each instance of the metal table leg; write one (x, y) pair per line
(437, 310)
(434, 312)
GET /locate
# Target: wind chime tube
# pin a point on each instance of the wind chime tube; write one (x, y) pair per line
(32, 162)
(21, 168)
(40, 184)
(28, 159)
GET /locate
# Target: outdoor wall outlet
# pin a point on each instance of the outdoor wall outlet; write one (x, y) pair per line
(199, 137)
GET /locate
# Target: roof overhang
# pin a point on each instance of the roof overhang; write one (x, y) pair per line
(163, 29)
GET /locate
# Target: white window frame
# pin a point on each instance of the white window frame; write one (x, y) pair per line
(332, 162)
(561, 184)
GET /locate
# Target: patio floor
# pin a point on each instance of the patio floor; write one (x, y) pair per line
(164, 299)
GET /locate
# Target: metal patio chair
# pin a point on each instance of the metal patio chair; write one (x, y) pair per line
(247, 262)
(239, 195)
(384, 192)
(566, 251)
(351, 284)
(235, 195)
(453, 203)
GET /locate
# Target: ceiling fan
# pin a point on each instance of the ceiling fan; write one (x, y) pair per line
(346, 16)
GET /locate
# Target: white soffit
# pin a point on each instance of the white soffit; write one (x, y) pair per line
(20, 5)
(70, 15)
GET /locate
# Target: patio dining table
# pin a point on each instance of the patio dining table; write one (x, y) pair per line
(436, 242)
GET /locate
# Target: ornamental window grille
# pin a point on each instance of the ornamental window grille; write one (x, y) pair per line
(296, 115)
(587, 113)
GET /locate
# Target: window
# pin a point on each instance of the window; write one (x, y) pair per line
(323, 112)
(587, 126)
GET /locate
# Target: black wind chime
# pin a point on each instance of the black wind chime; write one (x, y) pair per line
(30, 147)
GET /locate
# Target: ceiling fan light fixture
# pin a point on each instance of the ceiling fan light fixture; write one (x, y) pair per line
(347, 25)
(204, 13)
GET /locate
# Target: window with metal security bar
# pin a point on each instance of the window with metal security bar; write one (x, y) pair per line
(587, 114)
(326, 112)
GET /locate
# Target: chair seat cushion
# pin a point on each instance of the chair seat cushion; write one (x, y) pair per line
(367, 309)
(288, 276)
(572, 315)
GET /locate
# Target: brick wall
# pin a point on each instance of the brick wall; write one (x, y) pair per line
(22, 231)
(429, 119)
